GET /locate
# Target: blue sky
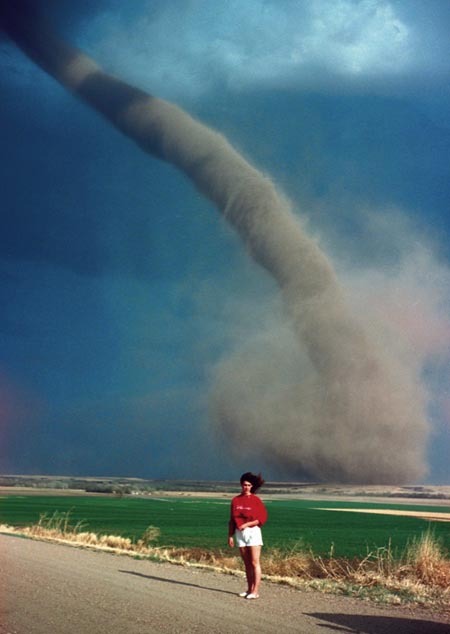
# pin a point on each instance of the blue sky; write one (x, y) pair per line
(123, 288)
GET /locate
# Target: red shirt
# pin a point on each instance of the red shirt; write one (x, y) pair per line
(247, 508)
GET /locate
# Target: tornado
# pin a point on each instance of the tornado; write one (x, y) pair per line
(358, 414)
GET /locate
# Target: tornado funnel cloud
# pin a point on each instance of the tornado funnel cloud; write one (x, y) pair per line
(358, 414)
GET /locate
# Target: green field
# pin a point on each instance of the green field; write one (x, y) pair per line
(202, 522)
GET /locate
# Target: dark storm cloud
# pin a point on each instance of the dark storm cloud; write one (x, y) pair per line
(343, 420)
(115, 251)
(66, 12)
(70, 213)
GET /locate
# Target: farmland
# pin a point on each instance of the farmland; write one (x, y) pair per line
(195, 522)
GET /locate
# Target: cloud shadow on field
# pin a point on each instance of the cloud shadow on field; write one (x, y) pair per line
(180, 583)
(371, 624)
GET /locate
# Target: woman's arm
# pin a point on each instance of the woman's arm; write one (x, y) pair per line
(231, 528)
(249, 524)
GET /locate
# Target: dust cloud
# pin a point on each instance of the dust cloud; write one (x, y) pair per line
(347, 410)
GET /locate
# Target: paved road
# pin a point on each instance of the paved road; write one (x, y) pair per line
(52, 589)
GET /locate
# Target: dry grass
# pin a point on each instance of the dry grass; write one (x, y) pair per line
(425, 560)
(421, 574)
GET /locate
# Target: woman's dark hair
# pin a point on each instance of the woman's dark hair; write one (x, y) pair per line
(255, 480)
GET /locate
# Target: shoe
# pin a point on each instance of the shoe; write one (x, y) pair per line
(243, 594)
(252, 596)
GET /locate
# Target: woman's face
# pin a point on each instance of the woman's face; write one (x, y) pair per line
(246, 487)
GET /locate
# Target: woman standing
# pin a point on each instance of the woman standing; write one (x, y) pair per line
(248, 514)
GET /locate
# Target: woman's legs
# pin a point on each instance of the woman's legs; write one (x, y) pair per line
(251, 556)
(246, 558)
(255, 553)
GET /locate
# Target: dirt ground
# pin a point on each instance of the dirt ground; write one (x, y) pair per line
(431, 495)
(52, 588)
(434, 517)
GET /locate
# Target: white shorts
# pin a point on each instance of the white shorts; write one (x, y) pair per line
(251, 536)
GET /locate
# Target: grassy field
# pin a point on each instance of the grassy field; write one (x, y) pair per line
(200, 522)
